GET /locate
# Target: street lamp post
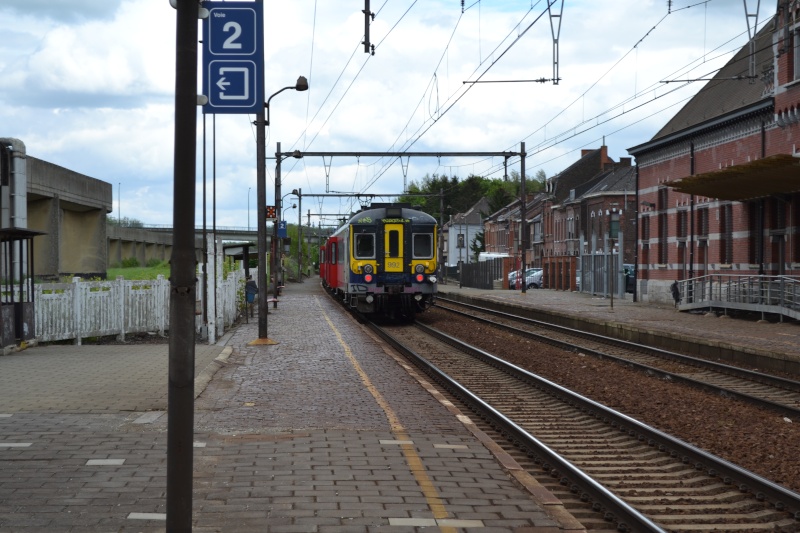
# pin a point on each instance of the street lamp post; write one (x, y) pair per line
(281, 244)
(299, 235)
(279, 157)
(248, 207)
(261, 192)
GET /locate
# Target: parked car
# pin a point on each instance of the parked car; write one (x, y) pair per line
(533, 278)
(512, 279)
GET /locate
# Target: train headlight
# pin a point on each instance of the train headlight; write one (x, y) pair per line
(419, 278)
(419, 269)
(367, 269)
(368, 278)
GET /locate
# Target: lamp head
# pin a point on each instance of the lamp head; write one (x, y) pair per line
(302, 84)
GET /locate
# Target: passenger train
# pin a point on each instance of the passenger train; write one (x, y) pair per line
(383, 261)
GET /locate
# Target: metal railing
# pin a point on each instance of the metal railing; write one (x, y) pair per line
(482, 274)
(765, 294)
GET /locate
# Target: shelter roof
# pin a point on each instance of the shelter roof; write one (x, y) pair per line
(773, 175)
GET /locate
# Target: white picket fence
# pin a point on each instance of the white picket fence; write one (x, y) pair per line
(82, 309)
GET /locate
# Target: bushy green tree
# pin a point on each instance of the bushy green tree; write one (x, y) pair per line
(124, 222)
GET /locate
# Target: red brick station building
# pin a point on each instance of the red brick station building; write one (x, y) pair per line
(712, 200)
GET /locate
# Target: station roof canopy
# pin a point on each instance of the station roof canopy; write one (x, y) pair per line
(773, 175)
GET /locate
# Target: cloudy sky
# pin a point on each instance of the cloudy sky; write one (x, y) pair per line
(89, 85)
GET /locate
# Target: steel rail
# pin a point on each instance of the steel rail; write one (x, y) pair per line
(780, 497)
(708, 387)
(750, 375)
(628, 518)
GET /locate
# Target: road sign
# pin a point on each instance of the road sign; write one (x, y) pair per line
(233, 57)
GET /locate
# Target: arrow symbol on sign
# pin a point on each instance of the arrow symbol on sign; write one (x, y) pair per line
(222, 84)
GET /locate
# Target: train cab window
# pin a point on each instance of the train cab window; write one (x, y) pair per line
(365, 246)
(423, 245)
(333, 253)
(394, 243)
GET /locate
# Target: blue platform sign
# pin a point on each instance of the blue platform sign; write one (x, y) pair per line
(282, 230)
(233, 57)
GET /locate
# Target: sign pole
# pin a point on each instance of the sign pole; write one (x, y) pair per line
(180, 400)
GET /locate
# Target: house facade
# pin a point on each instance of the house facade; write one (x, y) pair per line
(589, 222)
(460, 232)
(718, 184)
(587, 209)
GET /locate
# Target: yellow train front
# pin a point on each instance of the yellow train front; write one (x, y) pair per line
(383, 261)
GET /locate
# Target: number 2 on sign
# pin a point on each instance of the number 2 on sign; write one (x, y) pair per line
(231, 42)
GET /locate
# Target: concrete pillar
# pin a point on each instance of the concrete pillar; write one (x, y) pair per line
(83, 243)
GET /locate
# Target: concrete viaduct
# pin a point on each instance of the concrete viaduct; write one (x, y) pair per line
(70, 210)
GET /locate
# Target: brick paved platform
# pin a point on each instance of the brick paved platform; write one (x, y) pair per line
(323, 431)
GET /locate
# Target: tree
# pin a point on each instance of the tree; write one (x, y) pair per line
(478, 244)
(125, 222)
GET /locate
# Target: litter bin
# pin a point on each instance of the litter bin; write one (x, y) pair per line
(250, 291)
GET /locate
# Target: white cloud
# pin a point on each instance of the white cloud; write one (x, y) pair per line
(91, 88)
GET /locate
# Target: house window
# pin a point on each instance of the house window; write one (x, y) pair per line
(645, 228)
(663, 228)
(726, 234)
(702, 222)
(778, 214)
(683, 223)
(796, 52)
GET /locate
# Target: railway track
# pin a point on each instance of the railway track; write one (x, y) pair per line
(773, 392)
(612, 471)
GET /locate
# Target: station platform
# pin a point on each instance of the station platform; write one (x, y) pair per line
(773, 346)
(323, 430)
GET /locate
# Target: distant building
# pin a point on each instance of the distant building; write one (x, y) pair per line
(69, 212)
(68, 208)
(586, 210)
(460, 232)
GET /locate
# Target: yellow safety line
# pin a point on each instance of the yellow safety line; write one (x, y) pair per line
(412, 458)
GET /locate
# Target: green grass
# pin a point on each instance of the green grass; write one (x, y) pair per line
(138, 273)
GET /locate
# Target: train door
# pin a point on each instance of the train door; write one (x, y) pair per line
(393, 247)
(333, 268)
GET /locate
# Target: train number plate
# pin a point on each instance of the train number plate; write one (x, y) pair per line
(393, 264)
